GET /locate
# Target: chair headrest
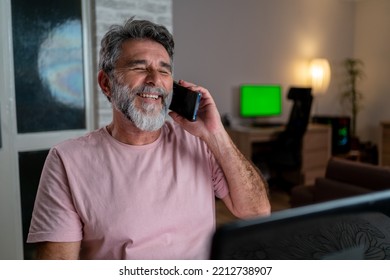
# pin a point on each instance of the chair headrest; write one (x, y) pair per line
(299, 93)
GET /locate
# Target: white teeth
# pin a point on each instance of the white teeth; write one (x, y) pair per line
(145, 95)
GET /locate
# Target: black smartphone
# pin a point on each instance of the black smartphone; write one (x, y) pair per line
(185, 102)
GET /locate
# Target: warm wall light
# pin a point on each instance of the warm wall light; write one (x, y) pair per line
(320, 75)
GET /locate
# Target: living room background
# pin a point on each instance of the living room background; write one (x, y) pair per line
(221, 44)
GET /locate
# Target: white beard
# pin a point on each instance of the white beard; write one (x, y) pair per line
(145, 118)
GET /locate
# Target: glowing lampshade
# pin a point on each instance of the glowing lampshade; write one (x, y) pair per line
(320, 75)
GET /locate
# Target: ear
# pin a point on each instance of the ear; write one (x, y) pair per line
(104, 83)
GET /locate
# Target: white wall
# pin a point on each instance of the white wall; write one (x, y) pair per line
(372, 45)
(223, 43)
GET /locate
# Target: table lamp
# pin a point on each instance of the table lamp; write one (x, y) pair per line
(320, 75)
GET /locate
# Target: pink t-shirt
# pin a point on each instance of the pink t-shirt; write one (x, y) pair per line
(130, 202)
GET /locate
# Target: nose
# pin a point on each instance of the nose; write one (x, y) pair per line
(152, 78)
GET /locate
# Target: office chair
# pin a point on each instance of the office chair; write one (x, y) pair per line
(285, 153)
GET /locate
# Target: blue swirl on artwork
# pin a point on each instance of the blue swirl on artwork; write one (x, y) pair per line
(60, 64)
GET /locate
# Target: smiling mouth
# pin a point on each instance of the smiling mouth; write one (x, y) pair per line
(149, 95)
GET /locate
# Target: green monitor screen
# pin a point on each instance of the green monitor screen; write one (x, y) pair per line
(260, 100)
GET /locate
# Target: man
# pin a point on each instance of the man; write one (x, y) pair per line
(142, 187)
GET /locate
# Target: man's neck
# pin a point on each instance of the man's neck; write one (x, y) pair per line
(126, 132)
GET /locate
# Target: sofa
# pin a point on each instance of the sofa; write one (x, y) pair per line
(343, 178)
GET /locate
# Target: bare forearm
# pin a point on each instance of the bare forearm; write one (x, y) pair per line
(58, 250)
(248, 191)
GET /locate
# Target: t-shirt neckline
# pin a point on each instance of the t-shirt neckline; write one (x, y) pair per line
(134, 147)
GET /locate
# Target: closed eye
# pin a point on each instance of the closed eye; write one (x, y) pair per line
(165, 72)
(138, 69)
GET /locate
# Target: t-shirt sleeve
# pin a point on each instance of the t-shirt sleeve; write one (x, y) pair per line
(54, 216)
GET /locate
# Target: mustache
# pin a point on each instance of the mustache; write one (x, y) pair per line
(150, 89)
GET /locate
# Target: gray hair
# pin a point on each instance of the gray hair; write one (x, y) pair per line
(132, 29)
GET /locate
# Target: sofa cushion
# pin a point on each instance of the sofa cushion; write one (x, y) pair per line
(327, 189)
(357, 173)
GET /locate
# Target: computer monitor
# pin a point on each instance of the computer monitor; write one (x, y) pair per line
(350, 228)
(260, 100)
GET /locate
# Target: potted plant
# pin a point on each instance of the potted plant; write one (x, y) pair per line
(351, 96)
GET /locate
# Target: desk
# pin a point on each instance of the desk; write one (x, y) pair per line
(316, 150)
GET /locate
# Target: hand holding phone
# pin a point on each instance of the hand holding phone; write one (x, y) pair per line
(185, 102)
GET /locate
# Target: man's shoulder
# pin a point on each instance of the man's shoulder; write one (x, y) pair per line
(177, 136)
(88, 140)
(173, 128)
